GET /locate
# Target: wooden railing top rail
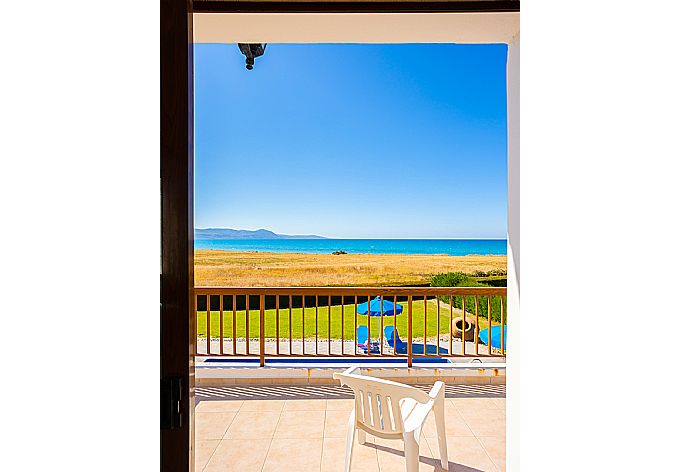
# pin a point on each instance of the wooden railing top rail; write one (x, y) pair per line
(352, 291)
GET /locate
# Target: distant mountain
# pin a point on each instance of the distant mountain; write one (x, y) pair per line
(226, 233)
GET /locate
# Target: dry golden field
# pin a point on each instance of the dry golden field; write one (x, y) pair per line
(265, 269)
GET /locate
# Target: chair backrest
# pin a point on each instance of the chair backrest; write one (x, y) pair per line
(378, 401)
(362, 334)
(392, 337)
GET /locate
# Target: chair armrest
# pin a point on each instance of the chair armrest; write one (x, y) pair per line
(438, 388)
(418, 415)
(436, 399)
(350, 371)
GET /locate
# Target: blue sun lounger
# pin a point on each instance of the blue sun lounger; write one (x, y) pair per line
(363, 340)
(394, 340)
(495, 336)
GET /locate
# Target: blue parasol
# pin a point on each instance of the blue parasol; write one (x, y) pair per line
(388, 309)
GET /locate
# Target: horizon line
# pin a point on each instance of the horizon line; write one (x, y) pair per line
(361, 237)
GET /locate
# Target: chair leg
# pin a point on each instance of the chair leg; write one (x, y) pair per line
(361, 436)
(411, 452)
(349, 448)
(439, 417)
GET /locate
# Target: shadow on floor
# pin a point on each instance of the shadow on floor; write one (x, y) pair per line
(436, 463)
(324, 392)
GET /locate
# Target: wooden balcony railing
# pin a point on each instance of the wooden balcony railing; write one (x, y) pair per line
(323, 321)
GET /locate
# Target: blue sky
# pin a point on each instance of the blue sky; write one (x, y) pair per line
(353, 141)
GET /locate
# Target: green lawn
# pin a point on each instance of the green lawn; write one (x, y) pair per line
(340, 324)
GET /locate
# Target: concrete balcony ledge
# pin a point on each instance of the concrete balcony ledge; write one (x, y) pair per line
(217, 372)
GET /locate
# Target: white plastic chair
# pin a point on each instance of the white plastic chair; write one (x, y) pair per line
(392, 410)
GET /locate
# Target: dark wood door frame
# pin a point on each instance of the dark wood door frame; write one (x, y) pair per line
(177, 220)
(177, 188)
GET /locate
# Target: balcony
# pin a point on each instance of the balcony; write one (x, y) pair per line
(271, 428)
(265, 359)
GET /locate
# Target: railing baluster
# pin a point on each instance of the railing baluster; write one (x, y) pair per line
(369, 325)
(438, 323)
(488, 308)
(290, 321)
(503, 328)
(354, 324)
(329, 325)
(246, 324)
(342, 325)
(234, 325)
(221, 324)
(262, 327)
(208, 325)
(303, 342)
(464, 324)
(196, 325)
(409, 331)
(316, 331)
(450, 327)
(395, 325)
(381, 326)
(425, 326)
(476, 329)
(277, 324)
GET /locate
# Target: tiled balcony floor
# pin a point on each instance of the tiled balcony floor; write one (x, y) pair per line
(303, 428)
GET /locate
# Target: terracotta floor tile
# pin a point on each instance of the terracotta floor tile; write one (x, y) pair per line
(455, 424)
(336, 423)
(301, 425)
(253, 425)
(346, 404)
(391, 456)
(496, 448)
(218, 405)
(239, 455)
(474, 404)
(398, 444)
(473, 415)
(465, 454)
(305, 405)
(212, 425)
(364, 458)
(486, 423)
(203, 449)
(294, 455)
(263, 405)
(500, 403)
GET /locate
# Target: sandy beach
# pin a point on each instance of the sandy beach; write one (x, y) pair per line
(266, 269)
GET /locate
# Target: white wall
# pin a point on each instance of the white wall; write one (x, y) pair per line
(513, 358)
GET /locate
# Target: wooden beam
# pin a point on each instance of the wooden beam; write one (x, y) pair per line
(363, 6)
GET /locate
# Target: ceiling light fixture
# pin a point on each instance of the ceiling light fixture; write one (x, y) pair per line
(251, 51)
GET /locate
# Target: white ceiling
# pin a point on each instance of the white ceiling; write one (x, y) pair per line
(468, 28)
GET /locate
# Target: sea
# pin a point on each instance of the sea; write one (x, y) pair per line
(451, 247)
